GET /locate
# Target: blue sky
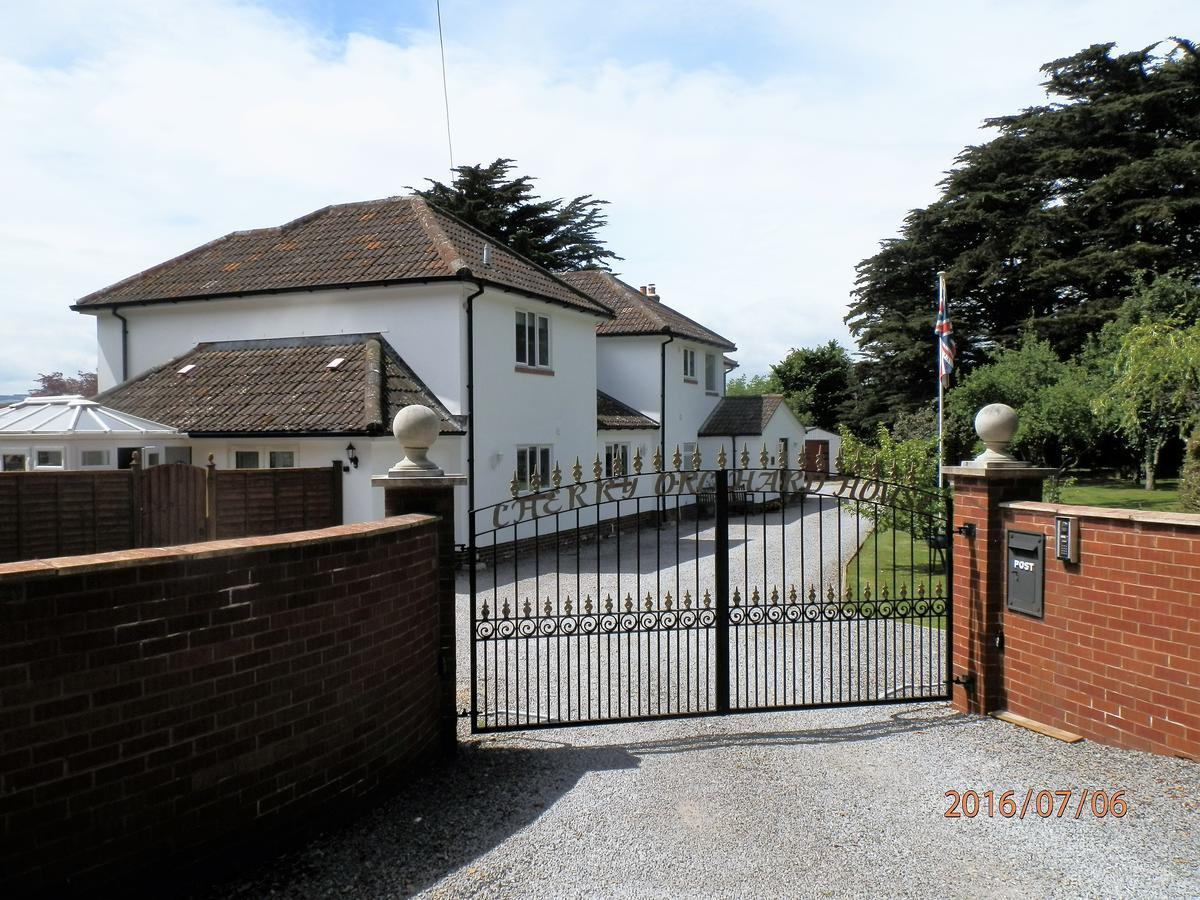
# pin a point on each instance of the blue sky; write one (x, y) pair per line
(753, 150)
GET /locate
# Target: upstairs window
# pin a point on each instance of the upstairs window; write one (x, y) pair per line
(689, 363)
(533, 340)
(710, 372)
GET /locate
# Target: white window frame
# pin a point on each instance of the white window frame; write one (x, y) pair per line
(264, 452)
(62, 455)
(545, 454)
(16, 451)
(689, 363)
(710, 372)
(532, 351)
(108, 458)
(612, 449)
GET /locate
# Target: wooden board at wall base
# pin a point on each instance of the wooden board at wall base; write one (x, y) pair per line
(1060, 734)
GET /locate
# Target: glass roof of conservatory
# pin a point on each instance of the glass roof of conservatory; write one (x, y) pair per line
(73, 415)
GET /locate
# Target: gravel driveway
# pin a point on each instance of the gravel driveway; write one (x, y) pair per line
(828, 803)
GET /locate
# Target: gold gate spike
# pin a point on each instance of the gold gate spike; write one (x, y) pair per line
(649, 602)
(587, 605)
(535, 481)
(549, 609)
(721, 460)
(829, 594)
(687, 599)
(754, 596)
(514, 486)
(696, 458)
(774, 595)
(504, 610)
(628, 602)
(577, 471)
(707, 599)
(527, 608)
(677, 458)
(792, 595)
(485, 612)
(608, 603)
(667, 601)
(597, 469)
(763, 457)
(737, 597)
(812, 593)
(657, 459)
(567, 605)
(637, 462)
(745, 460)
(556, 477)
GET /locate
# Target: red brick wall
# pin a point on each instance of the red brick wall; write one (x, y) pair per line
(158, 704)
(1117, 656)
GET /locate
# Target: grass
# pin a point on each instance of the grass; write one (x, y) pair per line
(898, 561)
(1124, 495)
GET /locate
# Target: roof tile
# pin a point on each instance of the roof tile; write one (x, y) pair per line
(742, 415)
(612, 414)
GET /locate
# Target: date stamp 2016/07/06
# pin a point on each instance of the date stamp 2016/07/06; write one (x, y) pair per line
(1045, 804)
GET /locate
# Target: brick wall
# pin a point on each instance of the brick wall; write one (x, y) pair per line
(1117, 656)
(158, 705)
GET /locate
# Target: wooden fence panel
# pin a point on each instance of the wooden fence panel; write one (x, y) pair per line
(46, 514)
(252, 502)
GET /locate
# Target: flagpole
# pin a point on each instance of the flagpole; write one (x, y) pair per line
(937, 345)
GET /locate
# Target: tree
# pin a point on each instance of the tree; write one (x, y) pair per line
(751, 385)
(1052, 398)
(816, 383)
(56, 384)
(1042, 227)
(1156, 394)
(560, 235)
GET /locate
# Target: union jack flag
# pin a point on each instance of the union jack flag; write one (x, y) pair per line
(945, 335)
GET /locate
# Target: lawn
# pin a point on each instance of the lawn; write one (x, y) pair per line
(1124, 495)
(901, 563)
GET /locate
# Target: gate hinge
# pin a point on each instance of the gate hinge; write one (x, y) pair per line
(967, 680)
(967, 530)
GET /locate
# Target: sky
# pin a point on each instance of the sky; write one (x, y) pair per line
(753, 152)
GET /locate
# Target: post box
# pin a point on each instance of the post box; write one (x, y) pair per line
(1026, 569)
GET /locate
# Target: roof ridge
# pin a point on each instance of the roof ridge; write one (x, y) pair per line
(500, 245)
(442, 244)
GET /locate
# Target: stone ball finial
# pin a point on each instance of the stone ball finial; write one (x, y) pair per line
(416, 427)
(996, 424)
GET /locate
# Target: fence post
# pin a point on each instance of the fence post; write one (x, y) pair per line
(135, 497)
(339, 516)
(210, 499)
(722, 586)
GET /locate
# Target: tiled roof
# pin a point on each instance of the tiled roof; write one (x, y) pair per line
(281, 386)
(635, 312)
(745, 415)
(388, 241)
(611, 414)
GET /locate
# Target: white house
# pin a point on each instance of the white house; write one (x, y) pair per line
(296, 345)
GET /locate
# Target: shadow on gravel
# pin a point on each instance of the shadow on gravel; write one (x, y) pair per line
(900, 722)
(433, 826)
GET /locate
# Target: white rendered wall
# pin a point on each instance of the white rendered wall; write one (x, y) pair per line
(628, 368)
(688, 404)
(423, 323)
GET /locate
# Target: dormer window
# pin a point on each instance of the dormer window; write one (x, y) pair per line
(533, 340)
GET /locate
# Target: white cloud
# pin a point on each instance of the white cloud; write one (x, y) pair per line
(746, 188)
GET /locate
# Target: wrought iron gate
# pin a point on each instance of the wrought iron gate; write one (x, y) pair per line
(683, 591)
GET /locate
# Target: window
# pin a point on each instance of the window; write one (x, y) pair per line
(94, 458)
(689, 363)
(533, 340)
(245, 459)
(48, 459)
(13, 461)
(710, 372)
(178, 455)
(532, 459)
(689, 450)
(282, 459)
(616, 460)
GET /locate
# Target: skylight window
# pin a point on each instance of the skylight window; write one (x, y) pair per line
(336, 363)
(186, 369)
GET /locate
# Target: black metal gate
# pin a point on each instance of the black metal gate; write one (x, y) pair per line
(682, 591)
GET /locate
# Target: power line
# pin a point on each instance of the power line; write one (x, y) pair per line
(445, 90)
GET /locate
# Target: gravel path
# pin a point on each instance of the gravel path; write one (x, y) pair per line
(825, 803)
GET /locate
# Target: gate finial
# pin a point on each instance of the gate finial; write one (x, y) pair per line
(696, 459)
(637, 462)
(745, 460)
(597, 468)
(657, 460)
(577, 471)
(677, 458)
(514, 486)
(763, 457)
(556, 477)
(721, 460)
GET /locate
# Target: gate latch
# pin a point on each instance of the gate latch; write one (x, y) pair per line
(967, 530)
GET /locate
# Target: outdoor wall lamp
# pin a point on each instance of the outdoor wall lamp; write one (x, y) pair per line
(352, 455)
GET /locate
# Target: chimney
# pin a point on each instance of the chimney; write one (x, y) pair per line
(642, 289)
(653, 292)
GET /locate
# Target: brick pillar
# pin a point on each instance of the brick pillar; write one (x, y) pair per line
(979, 582)
(435, 496)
